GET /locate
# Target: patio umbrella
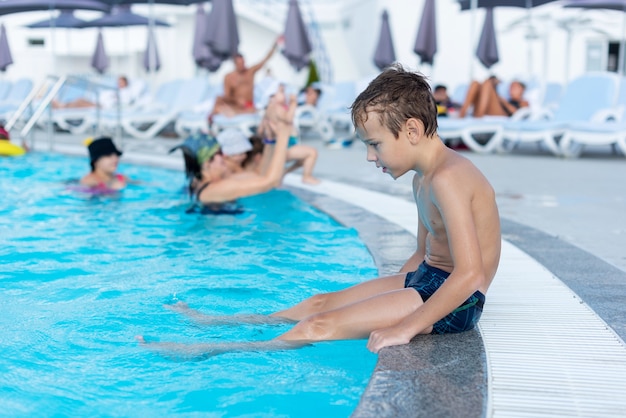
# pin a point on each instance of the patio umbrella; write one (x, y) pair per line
(610, 5)
(385, 54)
(100, 59)
(19, 6)
(426, 41)
(222, 34)
(297, 43)
(201, 52)
(172, 2)
(151, 60)
(5, 52)
(487, 51)
(121, 16)
(527, 4)
(65, 19)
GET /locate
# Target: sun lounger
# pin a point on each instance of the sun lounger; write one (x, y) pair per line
(587, 98)
(612, 131)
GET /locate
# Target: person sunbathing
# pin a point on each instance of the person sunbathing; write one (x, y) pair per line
(107, 99)
(485, 100)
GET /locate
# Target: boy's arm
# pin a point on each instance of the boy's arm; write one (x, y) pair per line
(454, 201)
(418, 256)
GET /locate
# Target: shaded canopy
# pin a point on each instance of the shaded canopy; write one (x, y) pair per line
(467, 4)
(121, 16)
(19, 6)
(65, 19)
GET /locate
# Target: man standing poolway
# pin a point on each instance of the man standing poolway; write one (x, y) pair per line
(238, 95)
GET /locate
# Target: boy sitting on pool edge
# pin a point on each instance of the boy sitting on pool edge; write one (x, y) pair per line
(441, 288)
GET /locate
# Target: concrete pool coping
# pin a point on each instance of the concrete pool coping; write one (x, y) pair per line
(432, 376)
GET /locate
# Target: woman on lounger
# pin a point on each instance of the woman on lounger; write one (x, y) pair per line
(485, 100)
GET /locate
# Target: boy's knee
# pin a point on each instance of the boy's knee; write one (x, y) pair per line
(319, 301)
(316, 327)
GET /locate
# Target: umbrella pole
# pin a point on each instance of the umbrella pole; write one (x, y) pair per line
(529, 49)
(151, 46)
(474, 7)
(622, 45)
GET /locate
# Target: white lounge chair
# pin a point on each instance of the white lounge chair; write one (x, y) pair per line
(612, 131)
(148, 119)
(18, 91)
(587, 98)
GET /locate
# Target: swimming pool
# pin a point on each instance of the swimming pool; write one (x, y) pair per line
(82, 276)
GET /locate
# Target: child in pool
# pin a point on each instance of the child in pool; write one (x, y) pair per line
(104, 158)
(442, 286)
(299, 155)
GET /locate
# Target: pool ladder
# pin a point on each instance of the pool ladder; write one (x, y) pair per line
(21, 113)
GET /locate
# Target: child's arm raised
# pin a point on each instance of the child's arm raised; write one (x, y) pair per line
(247, 184)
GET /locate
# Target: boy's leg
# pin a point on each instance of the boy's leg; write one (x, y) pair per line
(306, 157)
(315, 304)
(356, 320)
(488, 101)
(353, 321)
(329, 301)
(470, 98)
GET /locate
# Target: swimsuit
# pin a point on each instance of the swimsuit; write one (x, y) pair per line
(515, 103)
(293, 140)
(426, 280)
(103, 185)
(222, 208)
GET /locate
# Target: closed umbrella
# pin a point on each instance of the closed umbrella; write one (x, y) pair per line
(526, 4)
(487, 51)
(5, 52)
(19, 6)
(100, 59)
(122, 16)
(426, 41)
(385, 54)
(297, 43)
(151, 60)
(201, 52)
(222, 34)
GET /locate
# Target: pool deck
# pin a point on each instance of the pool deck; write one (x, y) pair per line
(551, 339)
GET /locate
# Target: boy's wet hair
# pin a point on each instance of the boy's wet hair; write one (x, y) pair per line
(397, 95)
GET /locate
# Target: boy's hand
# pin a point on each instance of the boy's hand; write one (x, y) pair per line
(386, 337)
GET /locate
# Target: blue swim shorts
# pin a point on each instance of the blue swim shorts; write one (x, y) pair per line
(426, 280)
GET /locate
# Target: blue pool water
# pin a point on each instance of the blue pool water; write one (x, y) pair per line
(81, 276)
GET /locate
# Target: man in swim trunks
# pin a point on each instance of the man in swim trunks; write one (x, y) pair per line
(485, 101)
(238, 95)
(441, 288)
